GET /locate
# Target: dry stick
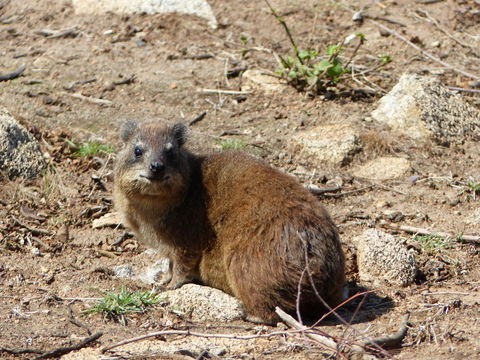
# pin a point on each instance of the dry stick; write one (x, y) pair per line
(91, 100)
(434, 21)
(427, 54)
(421, 231)
(33, 230)
(13, 74)
(198, 118)
(287, 30)
(320, 191)
(190, 333)
(20, 351)
(225, 92)
(462, 89)
(386, 341)
(290, 321)
(65, 350)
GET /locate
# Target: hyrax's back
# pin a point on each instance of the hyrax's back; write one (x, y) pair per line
(271, 232)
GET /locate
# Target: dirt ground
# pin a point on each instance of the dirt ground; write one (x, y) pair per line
(53, 263)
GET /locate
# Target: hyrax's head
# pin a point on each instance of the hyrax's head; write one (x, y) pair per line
(152, 162)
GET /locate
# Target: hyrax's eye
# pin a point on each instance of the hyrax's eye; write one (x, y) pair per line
(138, 151)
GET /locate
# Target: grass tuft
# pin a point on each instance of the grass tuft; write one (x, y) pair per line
(115, 306)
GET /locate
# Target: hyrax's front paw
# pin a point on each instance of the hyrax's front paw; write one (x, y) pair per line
(177, 281)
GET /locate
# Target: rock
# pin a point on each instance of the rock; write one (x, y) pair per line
(203, 304)
(20, 154)
(257, 80)
(123, 271)
(383, 168)
(384, 259)
(332, 143)
(155, 273)
(422, 107)
(199, 8)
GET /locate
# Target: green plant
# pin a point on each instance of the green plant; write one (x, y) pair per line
(88, 149)
(230, 144)
(474, 188)
(433, 243)
(308, 69)
(116, 305)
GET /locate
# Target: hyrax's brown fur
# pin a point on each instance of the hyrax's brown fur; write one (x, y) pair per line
(229, 221)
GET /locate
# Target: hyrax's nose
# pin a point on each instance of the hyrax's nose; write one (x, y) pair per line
(157, 167)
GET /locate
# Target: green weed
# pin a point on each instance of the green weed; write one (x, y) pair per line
(115, 306)
(88, 149)
(433, 243)
(474, 188)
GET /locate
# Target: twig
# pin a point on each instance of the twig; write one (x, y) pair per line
(53, 34)
(393, 340)
(127, 81)
(426, 16)
(421, 231)
(34, 231)
(122, 238)
(190, 57)
(391, 21)
(349, 192)
(225, 92)
(287, 30)
(91, 100)
(198, 118)
(446, 293)
(76, 322)
(319, 191)
(327, 342)
(462, 89)
(427, 54)
(65, 350)
(13, 74)
(20, 351)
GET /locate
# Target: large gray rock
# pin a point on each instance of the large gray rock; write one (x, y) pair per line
(422, 107)
(333, 144)
(382, 259)
(20, 155)
(199, 8)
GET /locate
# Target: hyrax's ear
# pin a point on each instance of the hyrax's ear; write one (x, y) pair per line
(179, 133)
(128, 128)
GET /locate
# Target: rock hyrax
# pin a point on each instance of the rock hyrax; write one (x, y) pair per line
(229, 221)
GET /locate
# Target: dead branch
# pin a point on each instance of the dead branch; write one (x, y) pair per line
(20, 351)
(191, 333)
(190, 57)
(320, 191)
(225, 92)
(426, 16)
(352, 351)
(327, 342)
(13, 74)
(408, 42)
(394, 340)
(421, 231)
(198, 118)
(33, 230)
(90, 99)
(65, 350)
